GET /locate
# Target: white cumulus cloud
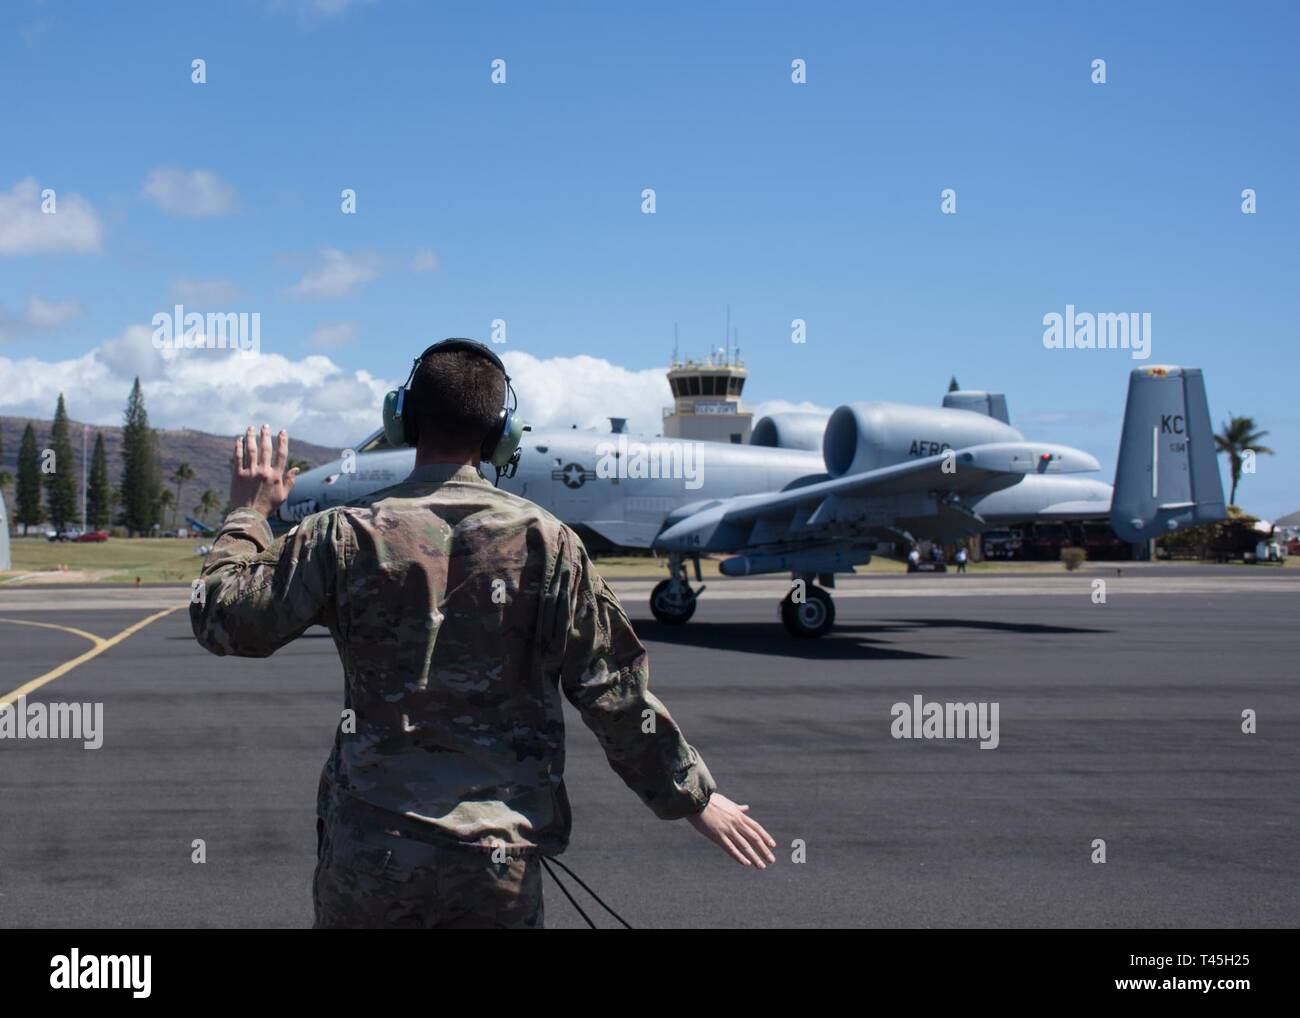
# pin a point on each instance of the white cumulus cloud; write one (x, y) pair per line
(222, 391)
(559, 392)
(337, 275)
(217, 391)
(781, 406)
(332, 335)
(72, 227)
(39, 316)
(189, 192)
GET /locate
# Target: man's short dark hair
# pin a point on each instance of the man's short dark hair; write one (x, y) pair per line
(458, 397)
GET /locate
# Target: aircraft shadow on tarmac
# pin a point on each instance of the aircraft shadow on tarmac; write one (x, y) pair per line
(1022, 628)
(846, 642)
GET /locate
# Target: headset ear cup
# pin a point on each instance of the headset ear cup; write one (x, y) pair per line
(394, 426)
(508, 440)
(487, 452)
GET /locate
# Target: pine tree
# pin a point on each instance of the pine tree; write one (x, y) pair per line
(952, 384)
(99, 496)
(61, 484)
(140, 474)
(28, 495)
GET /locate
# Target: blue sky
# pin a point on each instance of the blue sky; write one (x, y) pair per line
(522, 202)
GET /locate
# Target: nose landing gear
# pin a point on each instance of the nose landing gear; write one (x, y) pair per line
(672, 602)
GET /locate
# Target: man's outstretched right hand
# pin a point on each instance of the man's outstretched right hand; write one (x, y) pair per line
(727, 824)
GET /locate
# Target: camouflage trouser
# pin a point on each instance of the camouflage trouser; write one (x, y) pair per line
(377, 871)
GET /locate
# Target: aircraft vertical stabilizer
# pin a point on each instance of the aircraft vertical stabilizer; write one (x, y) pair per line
(1167, 476)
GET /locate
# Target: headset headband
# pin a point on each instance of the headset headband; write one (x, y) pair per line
(500, 446)
(452, 345)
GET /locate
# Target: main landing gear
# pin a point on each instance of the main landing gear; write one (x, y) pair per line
(673, 600)
(808, 611)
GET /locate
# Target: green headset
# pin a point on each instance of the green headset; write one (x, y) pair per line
(500, 445)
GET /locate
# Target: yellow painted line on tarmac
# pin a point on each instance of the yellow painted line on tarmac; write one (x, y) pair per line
(101, 644)
(50, 625)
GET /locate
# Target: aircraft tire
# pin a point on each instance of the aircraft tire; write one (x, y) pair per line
(669, 610)
(811, 619)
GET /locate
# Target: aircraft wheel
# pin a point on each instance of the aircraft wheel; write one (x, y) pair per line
(814, 617)
(672, 602)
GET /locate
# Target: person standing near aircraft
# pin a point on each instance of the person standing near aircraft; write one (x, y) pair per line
(461, 613)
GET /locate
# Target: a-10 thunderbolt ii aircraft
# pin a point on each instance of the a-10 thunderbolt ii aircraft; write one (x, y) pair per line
(815, 495)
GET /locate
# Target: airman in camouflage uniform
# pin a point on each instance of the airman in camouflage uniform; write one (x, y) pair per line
(461, 613)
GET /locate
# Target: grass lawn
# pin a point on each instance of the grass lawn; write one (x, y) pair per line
(172, 560)
(117, 560)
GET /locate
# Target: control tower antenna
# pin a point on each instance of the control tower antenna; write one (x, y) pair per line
(726, 337)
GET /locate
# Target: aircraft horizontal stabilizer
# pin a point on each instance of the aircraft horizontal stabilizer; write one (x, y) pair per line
(990, 404)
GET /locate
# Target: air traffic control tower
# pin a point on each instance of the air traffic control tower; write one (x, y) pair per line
(706, 400)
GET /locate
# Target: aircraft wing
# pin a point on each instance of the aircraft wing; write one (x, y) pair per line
(872, 499)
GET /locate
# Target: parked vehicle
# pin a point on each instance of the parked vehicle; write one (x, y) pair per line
(92, 535)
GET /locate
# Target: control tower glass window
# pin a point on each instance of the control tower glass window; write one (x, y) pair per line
(694, 382)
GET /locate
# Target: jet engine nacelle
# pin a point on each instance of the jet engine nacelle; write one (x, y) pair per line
(790, 429)
(867, 436)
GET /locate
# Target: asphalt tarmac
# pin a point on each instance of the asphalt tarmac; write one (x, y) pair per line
(1119, 721)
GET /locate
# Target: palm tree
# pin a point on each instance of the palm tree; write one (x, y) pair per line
(183, 473)
(208, 501)
(1239, 437)
(166, 500)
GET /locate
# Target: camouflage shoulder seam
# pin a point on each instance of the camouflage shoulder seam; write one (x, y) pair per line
(542, 513)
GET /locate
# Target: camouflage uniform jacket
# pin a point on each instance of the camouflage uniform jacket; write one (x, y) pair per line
(460, 612)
